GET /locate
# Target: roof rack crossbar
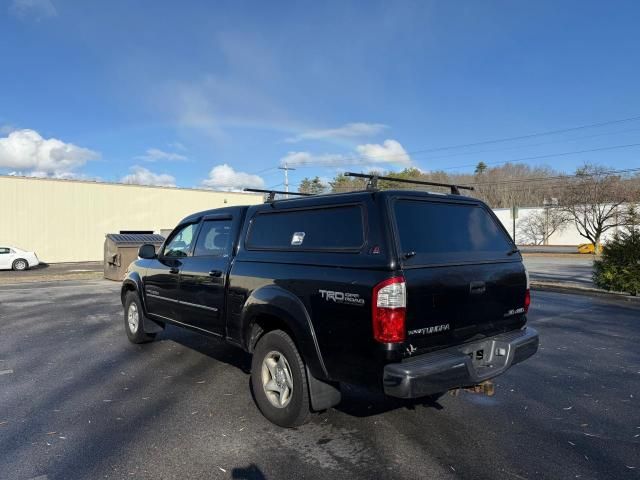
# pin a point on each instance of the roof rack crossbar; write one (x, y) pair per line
(372, 184)
(273, 193)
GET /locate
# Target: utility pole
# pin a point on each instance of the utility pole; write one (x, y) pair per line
(286, 177)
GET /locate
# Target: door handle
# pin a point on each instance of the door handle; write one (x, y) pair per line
(174, 270)
(215, 273)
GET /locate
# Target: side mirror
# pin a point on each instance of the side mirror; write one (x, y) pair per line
(147, 251)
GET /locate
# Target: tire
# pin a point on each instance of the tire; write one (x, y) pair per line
(20, 265)
(133, 320)
(279, 380)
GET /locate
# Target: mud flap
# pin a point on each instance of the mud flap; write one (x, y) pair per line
(323, 395)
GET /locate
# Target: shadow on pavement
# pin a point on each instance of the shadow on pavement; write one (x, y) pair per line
(252, 472)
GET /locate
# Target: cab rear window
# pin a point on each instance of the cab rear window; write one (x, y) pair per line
(439, 232)
(332, 229)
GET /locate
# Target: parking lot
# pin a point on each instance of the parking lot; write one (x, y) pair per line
(77, 400)
(53, 272)
(567, 269)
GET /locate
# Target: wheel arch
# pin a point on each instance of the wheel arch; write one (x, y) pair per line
(274, 308)
(133, 283)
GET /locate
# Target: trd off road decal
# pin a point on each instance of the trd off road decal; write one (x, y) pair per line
(341, 297)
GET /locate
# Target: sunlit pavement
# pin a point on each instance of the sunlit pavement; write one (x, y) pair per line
(566, 269)
(53, 272)
(78, 401)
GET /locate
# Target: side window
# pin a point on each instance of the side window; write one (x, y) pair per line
(332, 228)
(4, 250)
(214, 239)
(180, 243)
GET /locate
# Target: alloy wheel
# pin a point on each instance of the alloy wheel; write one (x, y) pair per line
(277, 380)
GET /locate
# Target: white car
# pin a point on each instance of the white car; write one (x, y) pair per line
(12, 258)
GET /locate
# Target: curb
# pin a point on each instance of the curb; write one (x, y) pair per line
(593, 292)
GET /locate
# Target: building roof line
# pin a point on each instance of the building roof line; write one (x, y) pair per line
(119, 184)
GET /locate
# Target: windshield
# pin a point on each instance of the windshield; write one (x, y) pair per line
(438, 232)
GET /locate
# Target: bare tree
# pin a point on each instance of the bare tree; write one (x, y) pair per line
(592, 199)
(537, 227)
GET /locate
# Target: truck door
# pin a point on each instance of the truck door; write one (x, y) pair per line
(161, 282)
(203, 275)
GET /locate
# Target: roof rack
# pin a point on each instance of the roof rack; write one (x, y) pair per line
(273, 193)
(372, 184)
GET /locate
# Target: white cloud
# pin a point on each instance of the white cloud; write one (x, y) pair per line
(390, 152)
(27, 150)
(224, 177)
(156, 155)
(350, 130)
(35, 9)
(142, 176)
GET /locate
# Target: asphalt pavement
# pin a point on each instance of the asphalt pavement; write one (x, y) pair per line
(570, 270)
(78, 401)
(54, 271)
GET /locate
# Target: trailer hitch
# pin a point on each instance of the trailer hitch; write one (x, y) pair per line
(487, 388)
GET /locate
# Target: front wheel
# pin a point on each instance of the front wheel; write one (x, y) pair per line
(133, 317)
(279, 380)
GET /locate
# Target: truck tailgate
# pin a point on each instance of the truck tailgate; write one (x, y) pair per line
(453, 304)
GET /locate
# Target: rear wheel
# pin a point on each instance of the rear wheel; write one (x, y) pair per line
(20, 264)
(133, 318)
(279, 380)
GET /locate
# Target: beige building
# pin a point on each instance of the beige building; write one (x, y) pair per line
(67, 220)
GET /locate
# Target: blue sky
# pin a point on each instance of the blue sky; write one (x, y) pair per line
(218, 94)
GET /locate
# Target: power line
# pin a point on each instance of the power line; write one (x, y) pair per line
(521, 146)
(361, 158)
(532, 135)
(561, 154)
(557, 179)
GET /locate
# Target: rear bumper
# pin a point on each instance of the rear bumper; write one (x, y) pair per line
(459, 366)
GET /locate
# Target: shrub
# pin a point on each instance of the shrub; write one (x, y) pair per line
(619, 266)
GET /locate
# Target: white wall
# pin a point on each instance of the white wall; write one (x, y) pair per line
(67, 220)
(568, 236)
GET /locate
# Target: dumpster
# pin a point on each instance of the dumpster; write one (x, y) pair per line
(120, 249)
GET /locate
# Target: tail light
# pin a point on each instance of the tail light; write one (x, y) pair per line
(389, 310)
(527, 294)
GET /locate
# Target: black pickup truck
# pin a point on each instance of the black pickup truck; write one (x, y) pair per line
(408, 292)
